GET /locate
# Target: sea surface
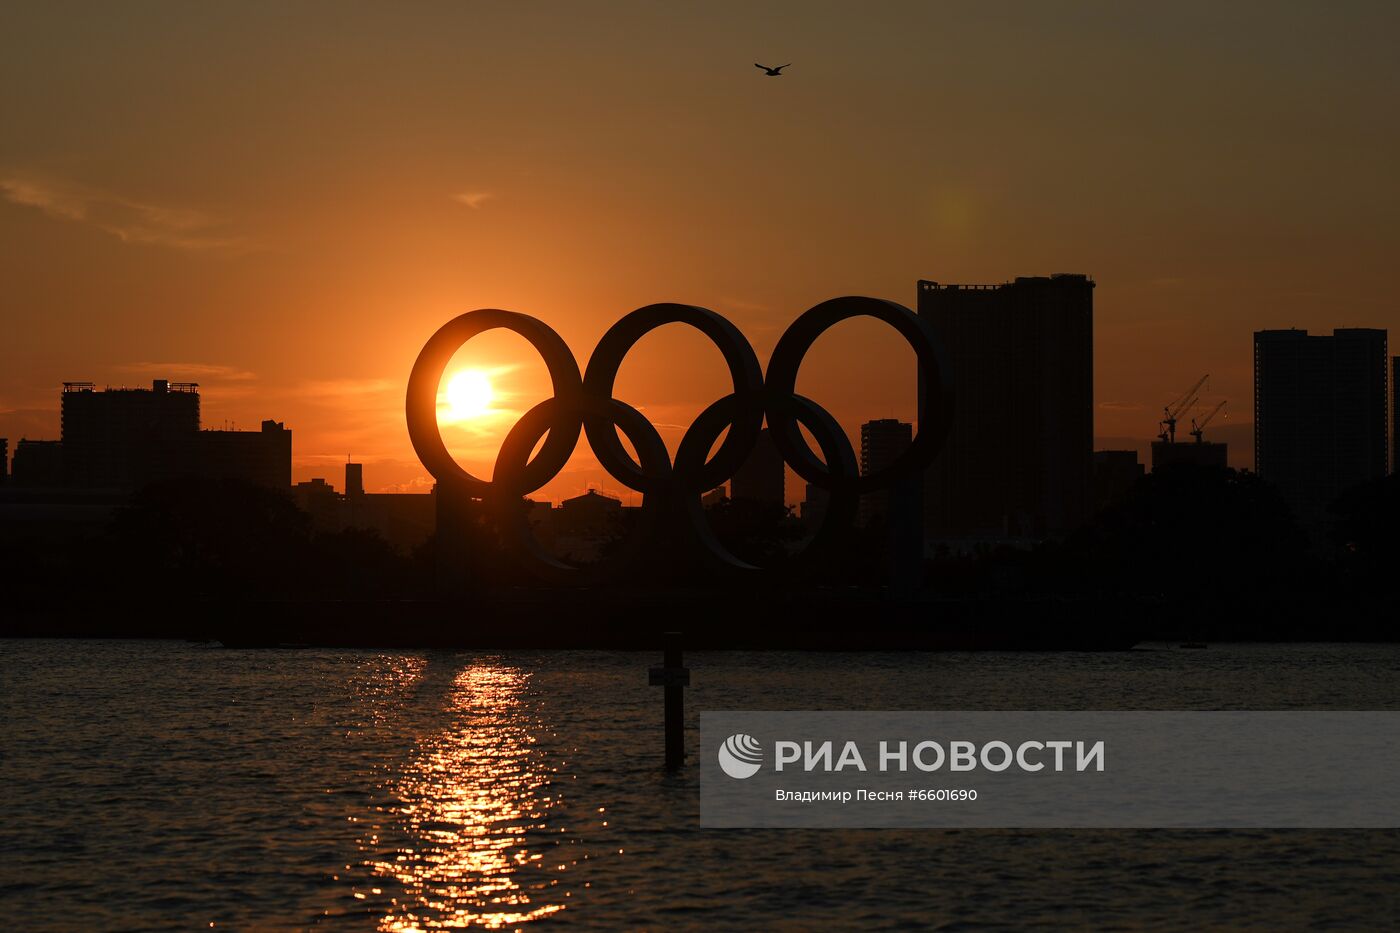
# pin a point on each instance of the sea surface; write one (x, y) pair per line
(165, 785)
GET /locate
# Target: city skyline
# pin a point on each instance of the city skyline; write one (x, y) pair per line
(1203, 404)
(487, 427)
(289, 250)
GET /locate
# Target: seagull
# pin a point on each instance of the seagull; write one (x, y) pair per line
(772, 72)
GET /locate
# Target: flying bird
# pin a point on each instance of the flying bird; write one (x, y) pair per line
(772, 72)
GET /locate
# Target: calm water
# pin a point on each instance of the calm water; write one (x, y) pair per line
(166, 785)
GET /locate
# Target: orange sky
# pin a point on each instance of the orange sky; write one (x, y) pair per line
(282, 202)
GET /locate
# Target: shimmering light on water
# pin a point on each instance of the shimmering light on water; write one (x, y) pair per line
(161, 785)
(468, 797)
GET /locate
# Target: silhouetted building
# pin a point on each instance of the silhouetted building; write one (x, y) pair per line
(354, 513)
(404, 520)
(1115, 473)
(590, 513)
(319, 499)
(1188, 453)
(1018, 460)
(4, 460)
(541, 517)
(881, 443)
(37, 463)
(1319, 413)
(128, 438)
(124, 439)
(263, 457)
(760, 479)
(586, 524)
(1394, 413)
(354, 480)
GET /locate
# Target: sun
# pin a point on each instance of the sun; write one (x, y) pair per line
(469, 394)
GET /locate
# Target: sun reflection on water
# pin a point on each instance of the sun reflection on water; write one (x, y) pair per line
(466, 804)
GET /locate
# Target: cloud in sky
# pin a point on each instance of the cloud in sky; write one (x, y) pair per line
(418, 484)
(20, 419)
(127, 219)
(210, 371)
(474, 199)
(382, 390)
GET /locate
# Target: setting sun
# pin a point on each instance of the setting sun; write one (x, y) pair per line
(469, 394)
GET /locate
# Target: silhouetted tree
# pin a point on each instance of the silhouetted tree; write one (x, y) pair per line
(210, 539)
(760, 533)
(355, 563)
(1367, 535)
(1192, 532)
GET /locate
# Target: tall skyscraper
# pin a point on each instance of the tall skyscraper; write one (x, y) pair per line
(761, 477)
(881, 443)
(813, 507)
(354, 480)
(1319, 413)
(1018, 461)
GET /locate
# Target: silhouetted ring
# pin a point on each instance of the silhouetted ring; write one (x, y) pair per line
(421, 402)
(836, 448)
(586, 403)
(935, 391)
(744, 371)
(512, 510)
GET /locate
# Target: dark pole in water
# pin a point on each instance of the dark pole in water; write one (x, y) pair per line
(674, 677)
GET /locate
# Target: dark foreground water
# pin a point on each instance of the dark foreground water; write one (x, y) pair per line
(166, 785)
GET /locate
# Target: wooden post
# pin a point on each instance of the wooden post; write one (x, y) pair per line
(674, 678)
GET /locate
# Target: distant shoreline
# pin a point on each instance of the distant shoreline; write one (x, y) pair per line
(631, 620)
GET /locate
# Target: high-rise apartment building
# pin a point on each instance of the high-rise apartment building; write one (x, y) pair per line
(1320, 418)
(124, 439)
(1018, 460)
(761, 477)
(881, 443)
(127, 438)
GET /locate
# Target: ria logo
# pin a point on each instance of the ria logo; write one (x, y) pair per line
(741, 756)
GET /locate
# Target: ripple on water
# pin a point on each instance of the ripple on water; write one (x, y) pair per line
(165, 785)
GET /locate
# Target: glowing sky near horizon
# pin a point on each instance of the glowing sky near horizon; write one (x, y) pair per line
(283, 201)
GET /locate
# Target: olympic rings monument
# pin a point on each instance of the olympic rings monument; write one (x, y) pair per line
(672, 529)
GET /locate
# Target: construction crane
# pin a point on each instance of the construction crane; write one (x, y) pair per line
(1173, 411)
(1196, 428)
